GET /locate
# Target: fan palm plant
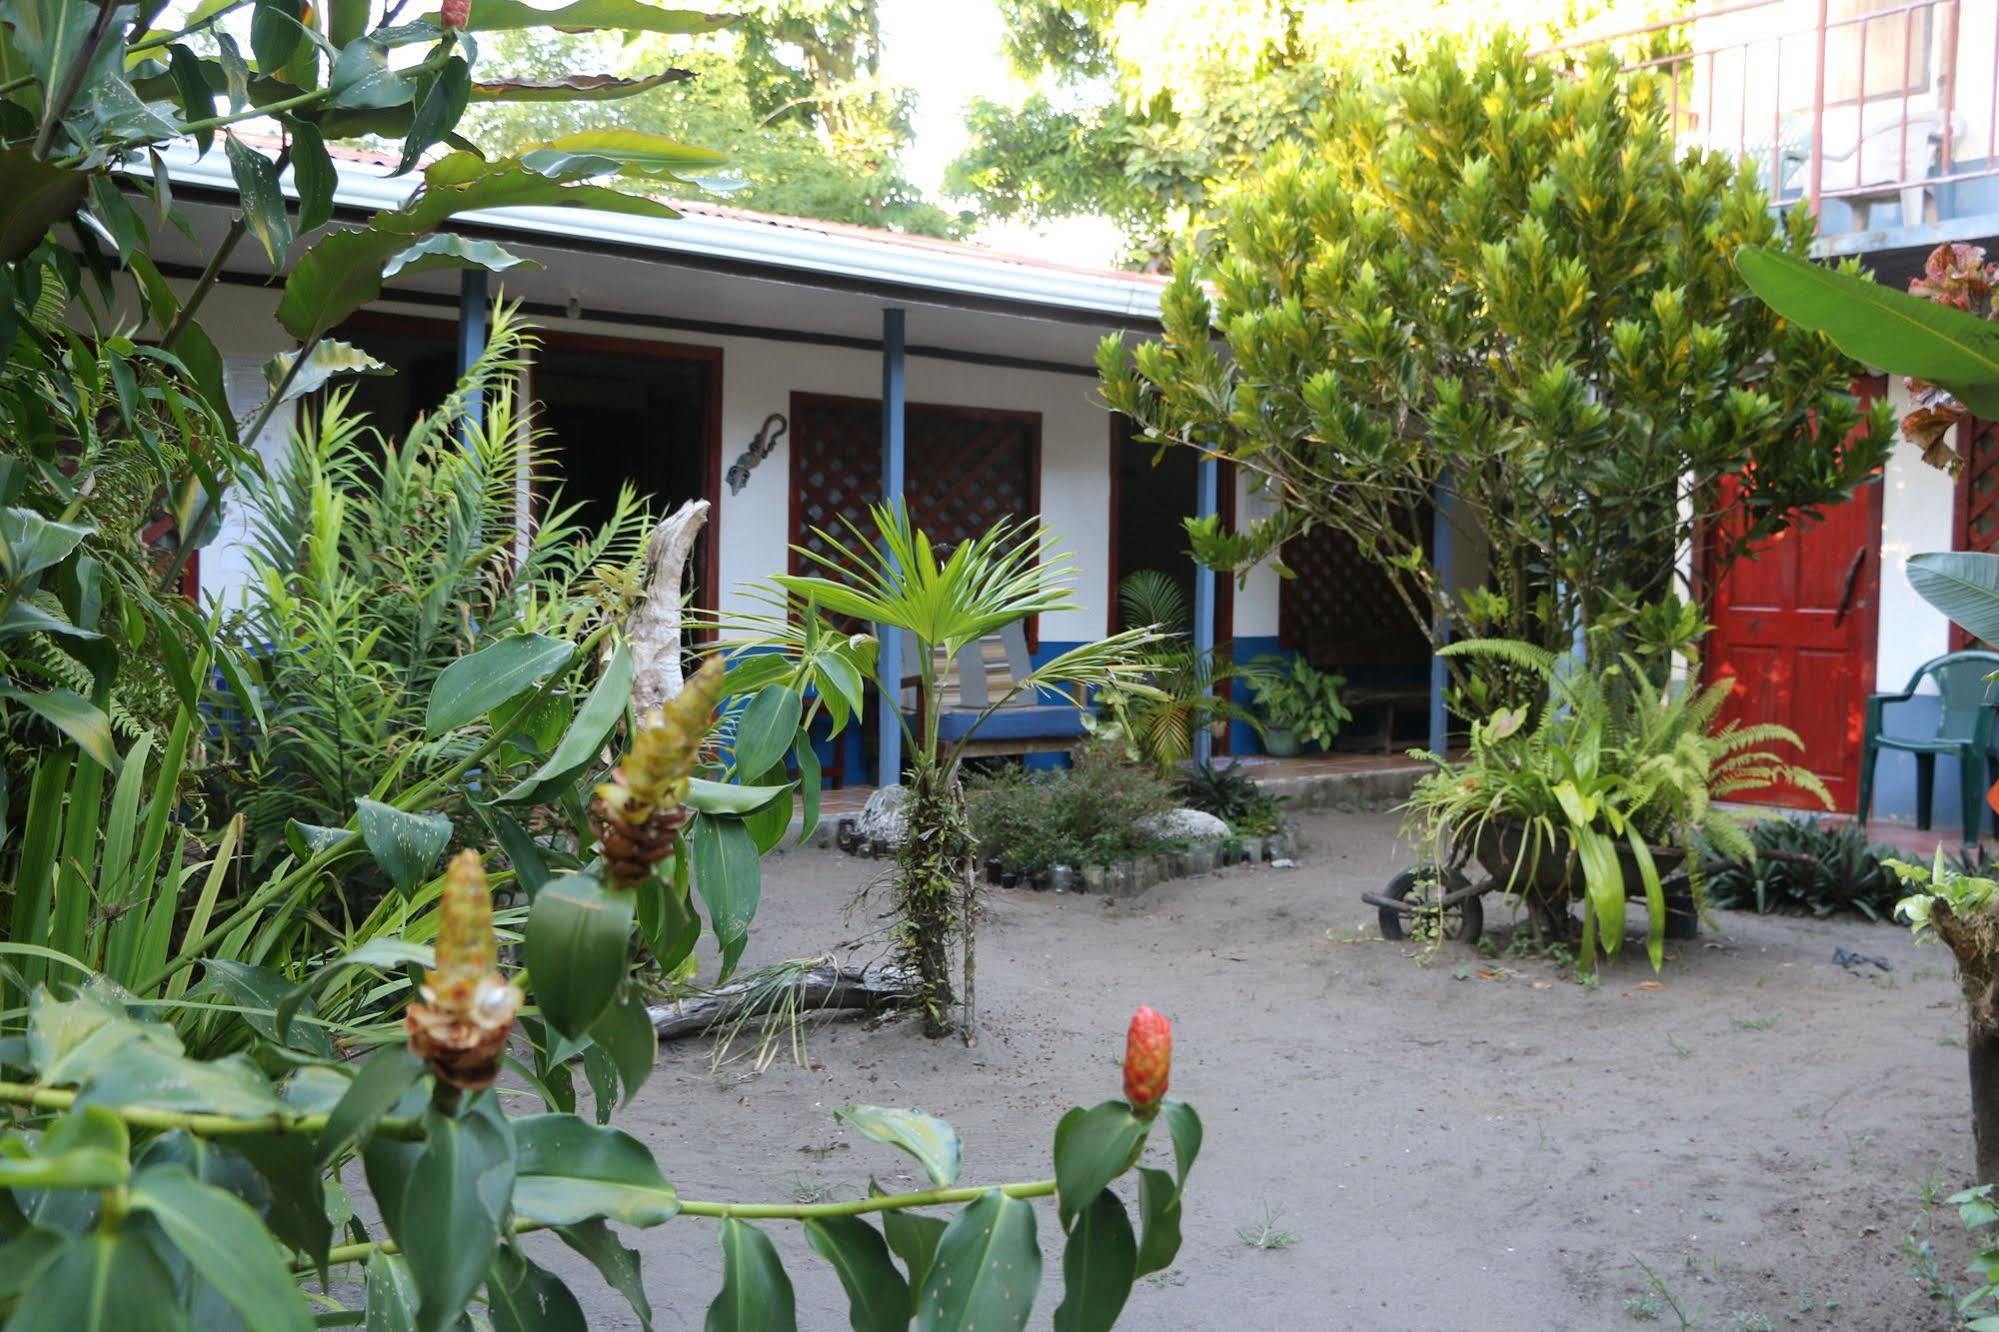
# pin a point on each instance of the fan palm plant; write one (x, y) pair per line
(894, 577)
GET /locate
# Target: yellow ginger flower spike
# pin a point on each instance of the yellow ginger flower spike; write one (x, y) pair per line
(637, 814)
(460, 1028)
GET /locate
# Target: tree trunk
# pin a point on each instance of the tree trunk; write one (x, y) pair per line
(1982, 1047)
(654, 629)
(930, 864)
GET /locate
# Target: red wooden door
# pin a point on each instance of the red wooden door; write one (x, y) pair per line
(1795, 627)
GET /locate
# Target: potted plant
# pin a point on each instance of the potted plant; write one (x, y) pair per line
(1599, 792)
(1300, 704)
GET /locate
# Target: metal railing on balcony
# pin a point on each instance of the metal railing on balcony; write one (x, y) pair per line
(1848, 106)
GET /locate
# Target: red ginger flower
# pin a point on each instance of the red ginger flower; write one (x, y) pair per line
(456, 13)
(1148, 1059)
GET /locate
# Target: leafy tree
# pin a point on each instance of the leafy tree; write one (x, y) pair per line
(1500, 280)
(791, 96)
(1149, 113)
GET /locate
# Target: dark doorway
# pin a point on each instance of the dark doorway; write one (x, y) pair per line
(620, 416)
(424, 355)
(1152, 498)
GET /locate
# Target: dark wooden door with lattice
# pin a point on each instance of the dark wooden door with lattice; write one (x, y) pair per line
(1341, 611)
(1977, 497)
(968, 467)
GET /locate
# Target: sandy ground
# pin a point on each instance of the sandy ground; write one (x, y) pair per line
(1439, 1150)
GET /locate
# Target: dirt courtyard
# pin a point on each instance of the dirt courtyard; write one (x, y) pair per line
(1420, 1146)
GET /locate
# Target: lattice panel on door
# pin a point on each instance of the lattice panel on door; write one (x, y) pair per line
(1977, 497)
(1341, 611)
(967, 469)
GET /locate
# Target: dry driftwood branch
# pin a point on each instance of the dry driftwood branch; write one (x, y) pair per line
(654, 628)
(859, 989)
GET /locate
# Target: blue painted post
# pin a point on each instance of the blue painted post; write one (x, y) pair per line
(473, 304)
(1442, 555)
(889, 765)
(1207, 490)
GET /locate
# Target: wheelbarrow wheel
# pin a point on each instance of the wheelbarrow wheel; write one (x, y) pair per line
(1463, 921)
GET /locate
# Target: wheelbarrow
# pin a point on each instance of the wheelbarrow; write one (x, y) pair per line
(1451, 894)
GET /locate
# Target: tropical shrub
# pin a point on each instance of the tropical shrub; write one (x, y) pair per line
(1495, 287)
(1820, 866)
(1297, 697)
(1230, 795)
(892, 576)
(375, 564)
(1612, 764)
(1086, 814)
(1156, 714)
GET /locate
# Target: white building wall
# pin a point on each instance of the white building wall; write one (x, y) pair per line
(1917, 514)
(758, 378)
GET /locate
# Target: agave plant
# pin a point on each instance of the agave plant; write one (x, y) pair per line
(893, 576)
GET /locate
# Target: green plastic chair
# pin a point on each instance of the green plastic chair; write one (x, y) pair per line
(1964, 730)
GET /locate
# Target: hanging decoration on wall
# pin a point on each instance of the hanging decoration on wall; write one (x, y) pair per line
(760, 448)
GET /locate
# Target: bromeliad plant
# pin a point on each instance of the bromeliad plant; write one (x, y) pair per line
(1613, 767)
(894, 577)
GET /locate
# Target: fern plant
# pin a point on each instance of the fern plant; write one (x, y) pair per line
(376, 564)
(1614, 764)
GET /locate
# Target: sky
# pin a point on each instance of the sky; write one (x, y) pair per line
(949, 51)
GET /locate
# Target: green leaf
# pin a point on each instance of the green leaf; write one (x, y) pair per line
(254, 987)
(635, 152)
(986, 1271)
(191, 92)
(391, 1299)
(618, 1265)
(30, 543)
(914, 1238)
(576, 947)
(453, 251)
(572, 87)
(1185, 1127)
(24, 618)
(756, 1294)
(451, 1209)
(406, 845)
(601, 711)
(362, 80)
(86, 1149)
(1900, 333)
(929, 1139)
(1092, 1148)
(877, 1296)
(473, 686)
(312, 175)
(379, 1084)
(706, 797)
(807, 759)
(525, 1298)
(571, 1171)
(307, 840)
(1099, 1263)
(624, 1033)
(729, 879)
(1964, 585)
(75, 716)
(257, 191)
(438, 108)
(145, 1075)
(329, 357)
(275, 32)
(225, 1241)
(765, 729)
(102, 1282)
(34, 196)
(297, 1214)
(25, 1256)
(624, 15)
(768, 825)
(1159, 1220)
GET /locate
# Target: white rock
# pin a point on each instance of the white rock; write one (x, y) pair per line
(1284, 862)
(883, 817)
(1185, 825)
